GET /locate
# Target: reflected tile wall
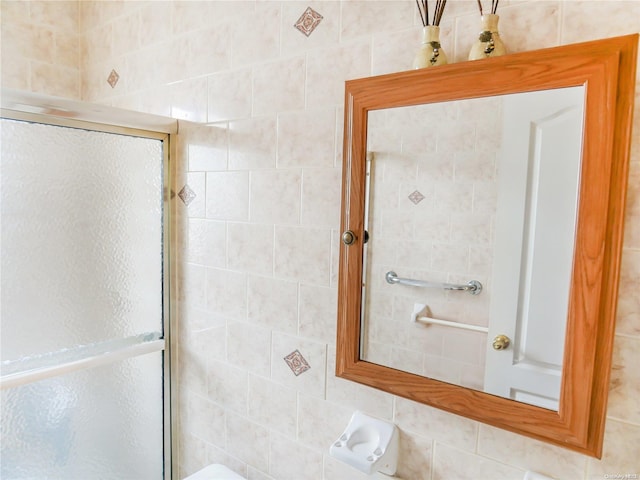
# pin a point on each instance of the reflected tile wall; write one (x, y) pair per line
(258, 242)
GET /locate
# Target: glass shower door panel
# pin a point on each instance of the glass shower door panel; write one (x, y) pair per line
(82, 303)
(93, 424)
(81, 237)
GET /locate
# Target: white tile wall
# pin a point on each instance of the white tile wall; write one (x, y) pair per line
(257, 281)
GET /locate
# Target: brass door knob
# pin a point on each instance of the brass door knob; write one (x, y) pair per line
(501, 342)
(348, 237)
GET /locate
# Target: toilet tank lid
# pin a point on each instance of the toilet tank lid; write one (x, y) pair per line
(215, 472)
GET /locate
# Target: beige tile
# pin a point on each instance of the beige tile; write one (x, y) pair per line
(320, 423)
(192, 454)
(15, 12)
(96, 45)
(155, 22)
(192, 364)
(249, 347)
(326, 33)
(248, 441)
(309, 382)
(453, 463)
(186, 16)
(206, 243)
(326, 73)
(15, 72)
(126, 34)
(273, 303)
(226, 293)
(620, 453)
(203, 418)
(192, 285)
(67, 49)
(349, 394)
(302, 254)
(209, 51)
(633, 192)
(628, 314)
(252, 143)
(258, 475)
(465, 227)
(321, 197)
(337, 470)
(278, 86)
(306, 139)
(449, 258)
(624, 386)
(415, 460)
(394, 52)
(318, 313)
(363, 18)
(290, 460)
(227, 386)
(54, 80)
(218, 455)
(215, 338)
(272, 405)
(93, 14)
(275, 196)
(452, 197)
(632, 229)
(250, 248)
(444, 427)
(583, 20)
(258, 36)
(188, 102)
(530, 454)
(227, 196)
(209, 154)
(406, 360)
(230, 95)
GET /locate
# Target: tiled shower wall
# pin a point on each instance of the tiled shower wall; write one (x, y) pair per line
(259, 205)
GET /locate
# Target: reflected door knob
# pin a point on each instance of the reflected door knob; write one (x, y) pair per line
(501, 342)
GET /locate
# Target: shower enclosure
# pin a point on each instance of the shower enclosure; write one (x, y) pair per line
(84, 300)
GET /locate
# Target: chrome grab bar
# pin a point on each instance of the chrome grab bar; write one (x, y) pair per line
(474, 287)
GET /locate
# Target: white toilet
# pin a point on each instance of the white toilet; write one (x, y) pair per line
(215, 472)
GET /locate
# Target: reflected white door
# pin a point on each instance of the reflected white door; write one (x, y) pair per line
(535, 228)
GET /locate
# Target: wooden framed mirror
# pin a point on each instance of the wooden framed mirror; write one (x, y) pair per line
(600, 75)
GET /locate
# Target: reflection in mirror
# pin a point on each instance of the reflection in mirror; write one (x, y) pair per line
(477, 190)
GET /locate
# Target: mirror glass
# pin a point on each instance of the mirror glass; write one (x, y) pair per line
(470, 211)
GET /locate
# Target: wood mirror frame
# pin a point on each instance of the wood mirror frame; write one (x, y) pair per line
(607, 70)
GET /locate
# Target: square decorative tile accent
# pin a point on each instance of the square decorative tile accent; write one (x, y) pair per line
(416, 197)
(297, 363)
(308, 21)
(186, 195)
(113, 78)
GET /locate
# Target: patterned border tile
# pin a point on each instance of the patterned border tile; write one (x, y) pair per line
(297, 363)
(113, 78)
(416, 197)
(186, 195)
(308, 21)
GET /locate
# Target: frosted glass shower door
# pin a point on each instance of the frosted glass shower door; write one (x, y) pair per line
(83, 303)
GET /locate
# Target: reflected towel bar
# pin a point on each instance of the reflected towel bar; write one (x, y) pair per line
(473, 287)
(421, 314)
